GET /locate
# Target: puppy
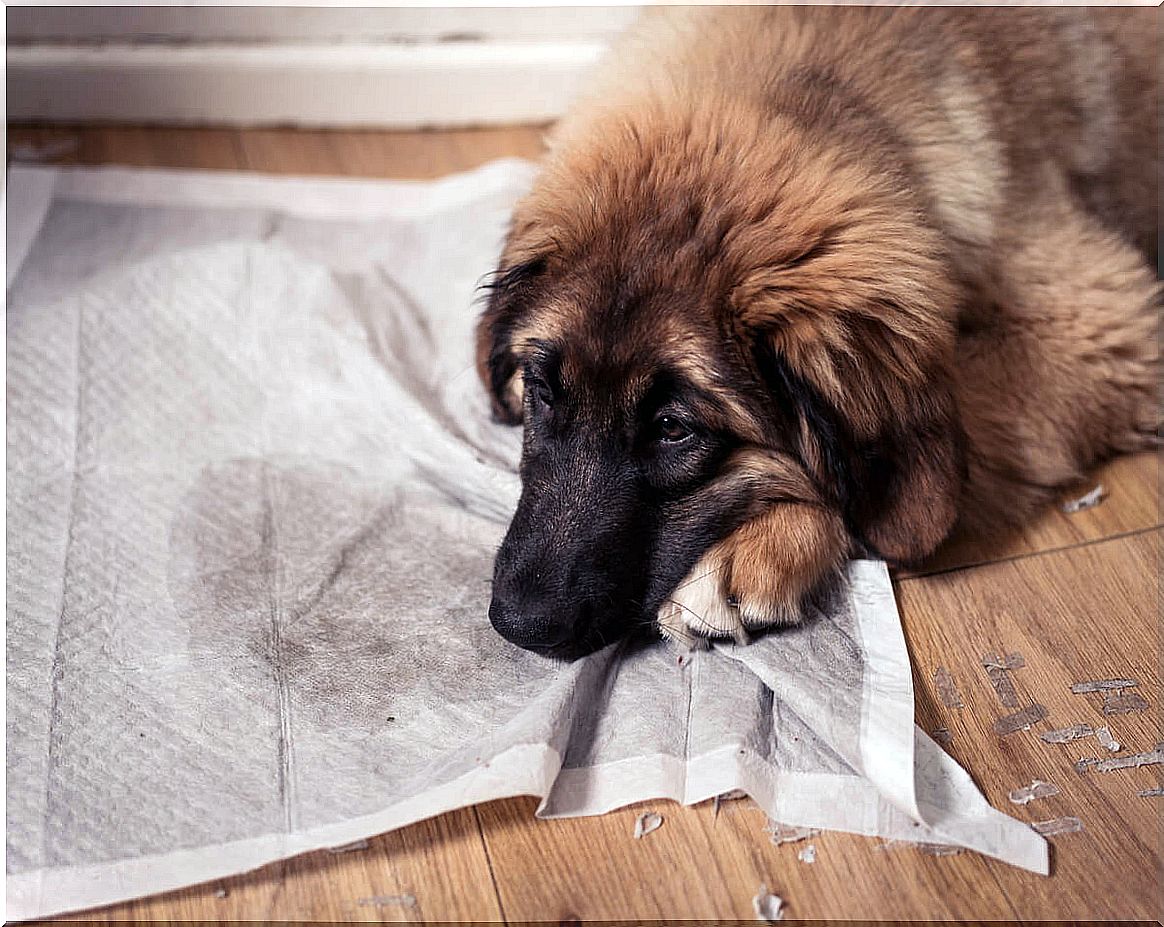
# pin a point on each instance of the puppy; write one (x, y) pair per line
(796, 284)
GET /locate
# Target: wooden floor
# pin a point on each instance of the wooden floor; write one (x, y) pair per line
(1076, 595)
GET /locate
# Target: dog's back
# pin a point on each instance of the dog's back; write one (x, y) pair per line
(981, 102)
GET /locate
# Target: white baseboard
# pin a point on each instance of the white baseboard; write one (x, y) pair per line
(336, 84)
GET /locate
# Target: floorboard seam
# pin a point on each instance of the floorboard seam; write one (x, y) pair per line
(489, 863)
(1029, 554)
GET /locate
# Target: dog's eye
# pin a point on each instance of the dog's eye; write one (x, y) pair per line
(538, 390)
(671, 430)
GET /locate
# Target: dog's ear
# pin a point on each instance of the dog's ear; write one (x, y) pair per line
(859, 342)
(898, 483)
(906, 482)
(510, 294)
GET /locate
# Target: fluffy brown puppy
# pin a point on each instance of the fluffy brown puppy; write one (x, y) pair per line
(799, 283)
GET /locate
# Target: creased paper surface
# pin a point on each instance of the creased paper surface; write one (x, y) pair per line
(253, 499)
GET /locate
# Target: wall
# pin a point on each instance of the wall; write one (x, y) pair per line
(400, 67)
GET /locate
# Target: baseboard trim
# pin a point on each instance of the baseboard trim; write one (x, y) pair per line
(446, 84)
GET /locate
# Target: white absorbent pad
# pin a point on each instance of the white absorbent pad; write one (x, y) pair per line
(254, 494)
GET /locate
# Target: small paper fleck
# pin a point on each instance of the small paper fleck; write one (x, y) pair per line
(938, 849)
(808, 854)
(349, 847)
(1020, 720)
(220, 893)
(647, 823)
(1037, 789)
(1122, 703)
(1150, 758)
(1067, 734)
(388, 901)
(1008, 662)
(947, 691)
(1086, 501)
(787, 833)
(1150, 793)
(732, 795)
(1103, 735)
(768, 907)
(1057, 826)
(1098, 685)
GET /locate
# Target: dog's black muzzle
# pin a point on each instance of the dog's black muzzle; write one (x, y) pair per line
(565, 578)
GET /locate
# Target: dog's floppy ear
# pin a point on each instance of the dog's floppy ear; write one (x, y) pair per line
(510, 293)
(857, 335)
(906, 482)
(897, 484)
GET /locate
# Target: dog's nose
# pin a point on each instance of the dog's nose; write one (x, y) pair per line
(528, 631)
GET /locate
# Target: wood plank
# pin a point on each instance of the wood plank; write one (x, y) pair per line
(1084, 613)
(1132, 503)
(136, 146)
(399, 155)
(594, 869)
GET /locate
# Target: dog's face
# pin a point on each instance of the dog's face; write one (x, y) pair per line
(627, 424)
(679, 373)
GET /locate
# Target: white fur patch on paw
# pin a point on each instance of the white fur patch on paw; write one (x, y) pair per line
(762, 614)
(699, 608)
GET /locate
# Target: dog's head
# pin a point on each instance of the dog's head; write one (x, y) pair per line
(689, 340)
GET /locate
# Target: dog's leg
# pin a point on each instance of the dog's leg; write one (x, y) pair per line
(1058, 366)
(758, 576)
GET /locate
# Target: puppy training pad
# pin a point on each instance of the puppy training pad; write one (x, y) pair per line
(253, 498)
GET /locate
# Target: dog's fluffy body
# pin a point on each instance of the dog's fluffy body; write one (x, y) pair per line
(905, 250)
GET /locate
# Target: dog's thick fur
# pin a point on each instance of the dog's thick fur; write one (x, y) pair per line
(896, 261)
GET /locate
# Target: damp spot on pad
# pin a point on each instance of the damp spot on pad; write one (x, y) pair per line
(938, 849)
(718, 800)
(343, 593)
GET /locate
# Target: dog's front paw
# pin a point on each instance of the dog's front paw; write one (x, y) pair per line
(756, 577)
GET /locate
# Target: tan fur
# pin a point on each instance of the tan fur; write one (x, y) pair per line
(932, 214)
